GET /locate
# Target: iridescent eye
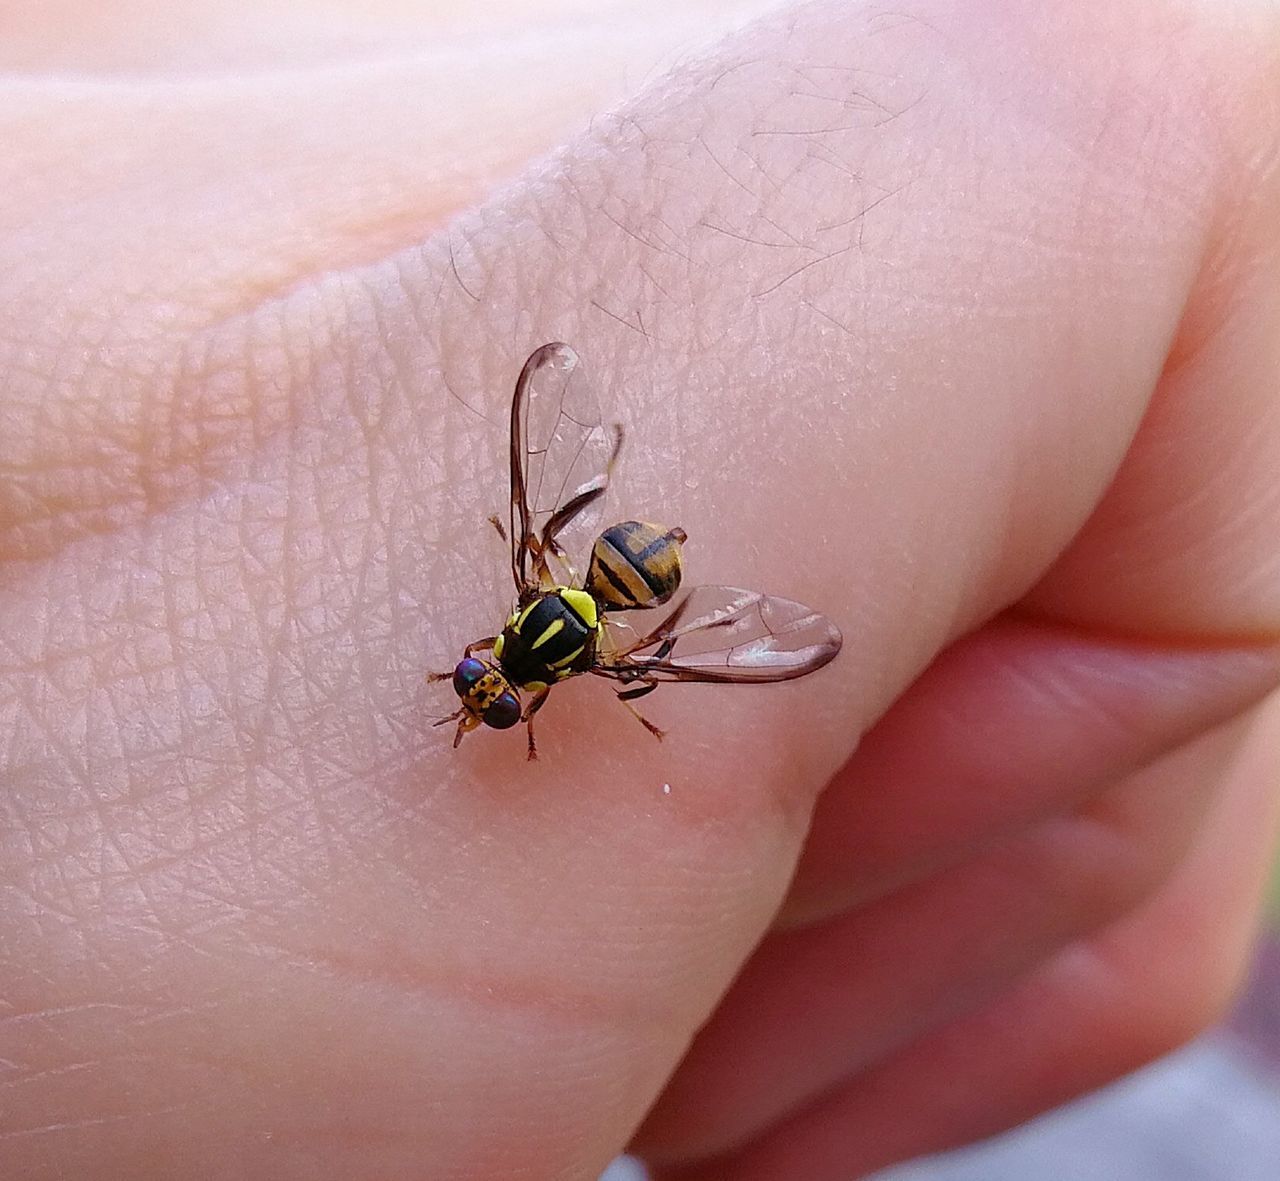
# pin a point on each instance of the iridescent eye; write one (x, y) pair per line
(503, 711)
(467, 675)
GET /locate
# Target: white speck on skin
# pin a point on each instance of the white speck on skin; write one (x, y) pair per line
(666, 789)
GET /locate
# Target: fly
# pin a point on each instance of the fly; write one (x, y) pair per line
(562, 460)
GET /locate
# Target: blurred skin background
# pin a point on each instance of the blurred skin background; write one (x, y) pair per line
(174, 167)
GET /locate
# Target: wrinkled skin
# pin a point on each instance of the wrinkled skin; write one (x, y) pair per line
(1014, 428)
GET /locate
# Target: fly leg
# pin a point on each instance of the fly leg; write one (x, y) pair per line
(484, 645)
(627, 696)
(539, 699)
(475, 646)
(498, 525)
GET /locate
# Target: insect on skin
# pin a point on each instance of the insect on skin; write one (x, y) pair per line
(562, 458)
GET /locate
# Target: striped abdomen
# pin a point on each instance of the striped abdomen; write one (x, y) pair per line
(634, 564)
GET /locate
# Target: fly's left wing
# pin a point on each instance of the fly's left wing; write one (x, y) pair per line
(722, 634)
(561, 456)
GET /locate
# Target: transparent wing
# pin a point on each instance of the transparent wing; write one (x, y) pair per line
(561, 455)
(724, 634)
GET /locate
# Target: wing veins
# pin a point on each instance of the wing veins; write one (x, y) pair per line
(813, 640)
(551, 470)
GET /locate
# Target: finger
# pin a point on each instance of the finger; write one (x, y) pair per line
(1099, 1010)
(1170, 536)
(815, 1007)
(929, 781)
(1017, 721)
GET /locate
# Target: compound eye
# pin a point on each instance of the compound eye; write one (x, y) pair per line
(503, 711)
(467, 675)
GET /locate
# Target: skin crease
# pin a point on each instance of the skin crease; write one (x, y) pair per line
(958, 322)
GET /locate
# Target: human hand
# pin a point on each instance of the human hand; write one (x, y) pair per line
(959, 323)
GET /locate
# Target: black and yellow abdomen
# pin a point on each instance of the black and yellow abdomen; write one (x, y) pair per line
(635, 564)
(549, 639)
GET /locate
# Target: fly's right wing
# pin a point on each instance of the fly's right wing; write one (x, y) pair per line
(725, 635)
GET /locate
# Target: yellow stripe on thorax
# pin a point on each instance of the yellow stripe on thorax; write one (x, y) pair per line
(555, 627)
(565, 661)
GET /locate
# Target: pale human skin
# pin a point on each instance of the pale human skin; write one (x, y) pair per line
(261, 921)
